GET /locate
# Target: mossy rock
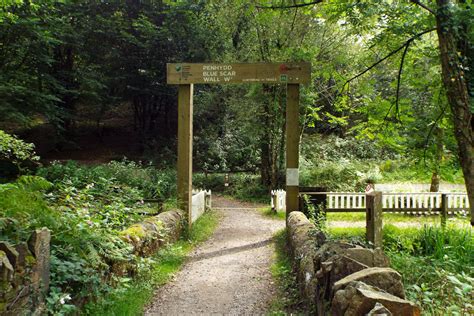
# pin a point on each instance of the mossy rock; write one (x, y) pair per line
(135, 232)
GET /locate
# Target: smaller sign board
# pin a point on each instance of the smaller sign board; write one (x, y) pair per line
(292, 177)
(187, 73)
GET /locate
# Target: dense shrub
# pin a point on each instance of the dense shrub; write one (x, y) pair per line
(149, 181)
(16, 156)
(15, 150)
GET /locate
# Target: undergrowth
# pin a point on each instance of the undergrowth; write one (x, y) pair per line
(242, 186)
(131, 298)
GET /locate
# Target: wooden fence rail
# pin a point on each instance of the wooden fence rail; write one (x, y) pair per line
(414, 203)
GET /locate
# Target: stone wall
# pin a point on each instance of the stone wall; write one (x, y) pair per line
(151, 234)
(24, 275)
(337, 278)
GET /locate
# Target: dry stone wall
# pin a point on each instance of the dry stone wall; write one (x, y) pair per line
(337, 278)
(151, 234)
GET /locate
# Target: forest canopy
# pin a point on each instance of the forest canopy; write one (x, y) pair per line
(397, 74)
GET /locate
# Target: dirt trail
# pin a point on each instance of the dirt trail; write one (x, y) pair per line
(230, 273)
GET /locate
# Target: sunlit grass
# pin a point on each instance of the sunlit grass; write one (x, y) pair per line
(392, 218)
(267, 211)
(131, 300)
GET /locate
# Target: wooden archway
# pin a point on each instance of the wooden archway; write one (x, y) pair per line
(186, 75)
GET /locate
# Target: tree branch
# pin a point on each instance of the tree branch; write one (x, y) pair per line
(299, 5)
(399, 79)
(424, 6)
(387, 56)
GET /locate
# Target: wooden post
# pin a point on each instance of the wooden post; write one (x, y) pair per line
(373, 207)
(292, 147)
(185, 148)
(444, 209)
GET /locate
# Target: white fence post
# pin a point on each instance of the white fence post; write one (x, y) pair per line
(201, 201)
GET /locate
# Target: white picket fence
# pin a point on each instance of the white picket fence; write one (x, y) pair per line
(398, 202)
(278, 200)
(420, 203)
(201, 201)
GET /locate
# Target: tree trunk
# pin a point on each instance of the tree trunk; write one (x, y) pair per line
(434, 187)
(455, 81)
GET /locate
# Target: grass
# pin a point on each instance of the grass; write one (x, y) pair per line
(130, 299)
(287, 300)
(392, 218)
(267, 211)
(437, 264)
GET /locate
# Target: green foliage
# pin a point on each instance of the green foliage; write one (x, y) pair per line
(346, 164)
(136, 180)
(413, 171)
(15, 150)
(334, 177)
(22, 209)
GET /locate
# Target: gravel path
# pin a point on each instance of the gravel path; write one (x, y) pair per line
(230, 273)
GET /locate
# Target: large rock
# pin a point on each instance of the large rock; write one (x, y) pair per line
(40, 248)
(386, 279)
(358, 298)
(11, 253)
(379, 310)
(6, 268)
(330, 274)
(369, 257)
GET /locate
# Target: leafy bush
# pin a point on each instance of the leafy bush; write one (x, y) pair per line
(149, 181)
(345, 164)
(210, 181)
(22, 209)
(16, 157)
(335, 176)
(15, 150)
